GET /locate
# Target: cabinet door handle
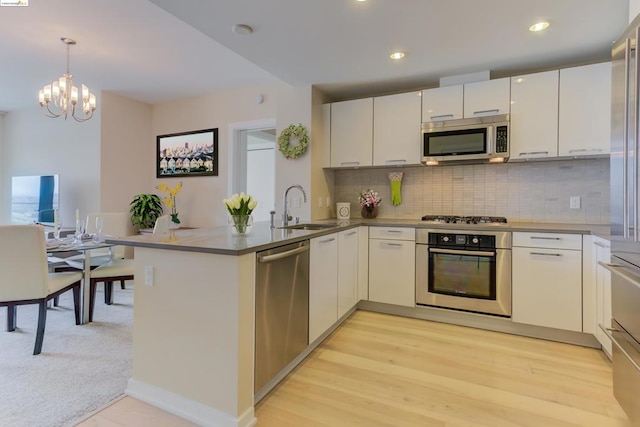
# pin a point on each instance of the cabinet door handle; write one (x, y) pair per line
(327, 240)
(349, 163)
(495, 110)
(545, 238)
(352, 233)
(585, 150)
(602, 245)
(532, 153)
(395, 161)
(442, 116)
(393, 244)
(544, 253)
(394, 231)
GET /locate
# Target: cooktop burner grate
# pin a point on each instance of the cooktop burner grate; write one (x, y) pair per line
(454, 219)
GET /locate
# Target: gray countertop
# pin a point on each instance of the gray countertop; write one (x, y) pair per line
(219, 240)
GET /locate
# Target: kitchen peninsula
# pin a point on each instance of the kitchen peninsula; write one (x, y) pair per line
(193, 339)
(193, 346)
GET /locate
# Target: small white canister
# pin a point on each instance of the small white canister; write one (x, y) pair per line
(343, 210)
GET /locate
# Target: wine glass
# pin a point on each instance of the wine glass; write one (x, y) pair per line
(57, 229)
(99, 226)
(79, 231)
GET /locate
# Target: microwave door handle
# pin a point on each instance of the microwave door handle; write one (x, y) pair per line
(490, 140)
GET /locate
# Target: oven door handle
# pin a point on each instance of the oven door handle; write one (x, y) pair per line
(459, 252)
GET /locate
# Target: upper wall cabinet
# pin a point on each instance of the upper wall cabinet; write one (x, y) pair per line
(487, 98)
(442, 103)
(534, 116)
(396, 129)
(585, 110)
(352, 133)
(476, 99)
(326, 135)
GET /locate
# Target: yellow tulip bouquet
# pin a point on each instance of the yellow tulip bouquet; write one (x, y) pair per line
(170, 199)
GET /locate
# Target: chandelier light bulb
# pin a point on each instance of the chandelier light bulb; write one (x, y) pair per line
(60, 98)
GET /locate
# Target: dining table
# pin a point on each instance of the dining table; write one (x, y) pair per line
(85, 246)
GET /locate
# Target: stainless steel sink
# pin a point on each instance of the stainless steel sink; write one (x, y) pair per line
(309, 227)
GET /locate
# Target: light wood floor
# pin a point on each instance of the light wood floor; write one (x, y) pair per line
(380, 370)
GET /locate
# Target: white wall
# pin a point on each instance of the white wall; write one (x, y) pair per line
(634, 9)
(3, 187)
(294, 106)
(38, 145)
(200, 201)
(127, 152)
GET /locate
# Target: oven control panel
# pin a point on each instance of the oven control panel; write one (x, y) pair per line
(462, 241)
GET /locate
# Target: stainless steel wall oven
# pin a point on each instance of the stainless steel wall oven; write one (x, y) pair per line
(464, 269)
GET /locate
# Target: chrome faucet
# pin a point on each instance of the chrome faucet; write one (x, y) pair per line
(285, 215)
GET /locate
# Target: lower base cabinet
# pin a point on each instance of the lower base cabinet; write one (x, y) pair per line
(602, 253)
(323, 284)
(333, 279)
(547, 280)
(392, 266)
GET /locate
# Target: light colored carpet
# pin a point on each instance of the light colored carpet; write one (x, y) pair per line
(81, 368)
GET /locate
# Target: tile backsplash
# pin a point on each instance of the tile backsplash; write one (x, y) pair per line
(530, 191)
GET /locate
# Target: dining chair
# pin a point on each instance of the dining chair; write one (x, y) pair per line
(25, 276)
(118, 270)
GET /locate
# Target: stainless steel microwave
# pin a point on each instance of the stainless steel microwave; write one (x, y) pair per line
(474, 140)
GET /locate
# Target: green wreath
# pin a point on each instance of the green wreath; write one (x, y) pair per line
(293, 151)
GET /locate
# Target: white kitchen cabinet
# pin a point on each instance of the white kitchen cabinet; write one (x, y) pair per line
(392, 265)
(442, 103)
(363, 263)
(352, 133)
(323, 284)
(397, 129)
(326, 135)
(585, 110)
(602, 253)
(534, 116)
(547, 280)
(487, 98)
(347, 270)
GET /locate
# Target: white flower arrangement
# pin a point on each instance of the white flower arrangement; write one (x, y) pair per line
(240, 204)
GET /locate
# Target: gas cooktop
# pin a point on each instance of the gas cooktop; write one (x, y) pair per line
(453, 219)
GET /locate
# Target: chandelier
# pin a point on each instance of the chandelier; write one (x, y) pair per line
(60, 98)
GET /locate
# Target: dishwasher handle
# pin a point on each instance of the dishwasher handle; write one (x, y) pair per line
(281, 255)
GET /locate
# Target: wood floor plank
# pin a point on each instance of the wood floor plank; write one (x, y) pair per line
(378, 369)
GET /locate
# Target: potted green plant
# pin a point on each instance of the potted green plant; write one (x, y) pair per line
(145, 209)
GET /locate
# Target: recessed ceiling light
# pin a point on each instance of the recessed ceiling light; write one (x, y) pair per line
(397, 55)
(360, 0)
(539, 26)
(242, 29)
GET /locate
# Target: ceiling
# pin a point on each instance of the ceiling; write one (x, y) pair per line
(161, 50)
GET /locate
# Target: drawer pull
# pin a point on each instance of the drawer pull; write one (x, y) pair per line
(615, 342)
(544, 254)
(533, 153)
(393, 244)
(394, 231)
(545, 238)
(395, 161)
(601, 245)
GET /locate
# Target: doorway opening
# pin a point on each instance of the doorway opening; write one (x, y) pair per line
(254, 165)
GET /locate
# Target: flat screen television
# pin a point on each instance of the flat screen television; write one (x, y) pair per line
(34, 198)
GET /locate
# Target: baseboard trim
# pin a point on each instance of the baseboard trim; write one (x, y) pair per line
(480, 321)
(186, 408)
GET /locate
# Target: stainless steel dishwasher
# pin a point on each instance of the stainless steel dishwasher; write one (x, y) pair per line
(282, 309)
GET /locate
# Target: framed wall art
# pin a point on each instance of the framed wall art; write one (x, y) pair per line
(193, 153)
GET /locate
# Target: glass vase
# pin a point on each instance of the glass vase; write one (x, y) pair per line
(240, 225)
(369, 212)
